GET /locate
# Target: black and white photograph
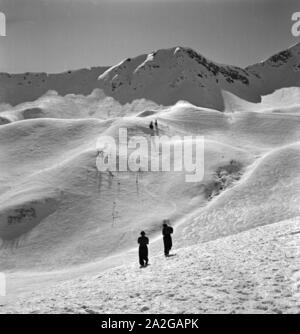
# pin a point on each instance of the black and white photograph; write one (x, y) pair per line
(149, 159)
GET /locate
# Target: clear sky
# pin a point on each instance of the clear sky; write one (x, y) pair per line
(56, 35)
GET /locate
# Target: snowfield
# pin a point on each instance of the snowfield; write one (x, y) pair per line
(257, 271)
(68, 232)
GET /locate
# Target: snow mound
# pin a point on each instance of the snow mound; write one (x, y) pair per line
(285, 100)
(71, 106)
(267, 193)
(147, 113)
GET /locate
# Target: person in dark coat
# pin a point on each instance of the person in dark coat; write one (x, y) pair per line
(166, 232)
(143, 241)
(151, 125)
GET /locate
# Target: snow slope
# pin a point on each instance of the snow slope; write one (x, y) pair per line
(63, 223)
(265, 195)
(257, 271)
(82, 215)
(59, 164)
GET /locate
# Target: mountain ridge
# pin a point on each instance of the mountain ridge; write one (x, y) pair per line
(164, 76)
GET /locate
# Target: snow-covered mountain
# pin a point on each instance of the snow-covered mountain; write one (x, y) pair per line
(165, 77)
(19, 88)
(68, 231)
(279, 71)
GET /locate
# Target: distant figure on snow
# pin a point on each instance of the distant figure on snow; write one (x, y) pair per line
(143, 241)
(167, 231)
(156, 124)
(151, 125)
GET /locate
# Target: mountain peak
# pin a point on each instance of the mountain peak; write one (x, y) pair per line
(164, 76)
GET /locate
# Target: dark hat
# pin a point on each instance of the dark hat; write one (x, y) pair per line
(165, 222)
(143, 233)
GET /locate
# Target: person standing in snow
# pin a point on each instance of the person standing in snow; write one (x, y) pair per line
(156, 127)
(166, 232)
(143, 241)
(151, 125)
